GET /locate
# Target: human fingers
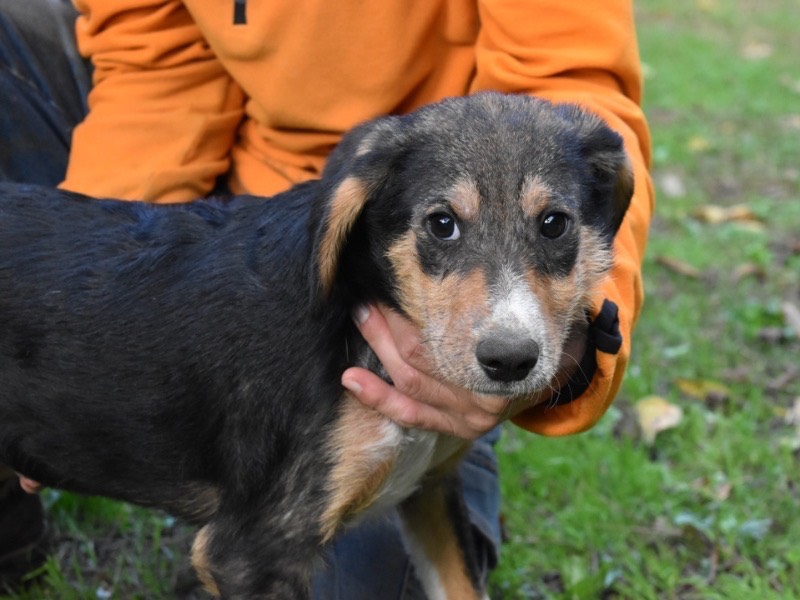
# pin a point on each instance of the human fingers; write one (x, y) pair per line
(417, 399)
(374, 392)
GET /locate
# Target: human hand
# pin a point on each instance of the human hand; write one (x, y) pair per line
(419, 400)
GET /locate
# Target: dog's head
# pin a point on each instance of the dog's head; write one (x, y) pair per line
(488, 221)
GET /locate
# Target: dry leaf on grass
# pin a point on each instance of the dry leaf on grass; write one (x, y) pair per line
(707, 5)
(756, 50)
(703, 389)
(714, 214)
(654, 415)
(680, 267)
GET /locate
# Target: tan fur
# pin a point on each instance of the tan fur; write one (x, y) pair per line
(446, 309)
(201, 562)
(565, 299)
(347, 202)
(363, 459)
(465, 200)
(535, 196)
(429, 526)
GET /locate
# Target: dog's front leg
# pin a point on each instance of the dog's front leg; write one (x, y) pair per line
(249, 563)
(439, 540)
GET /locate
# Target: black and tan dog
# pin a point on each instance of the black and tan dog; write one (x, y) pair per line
(189, 357)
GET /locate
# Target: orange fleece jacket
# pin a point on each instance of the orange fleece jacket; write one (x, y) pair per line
(184, 92)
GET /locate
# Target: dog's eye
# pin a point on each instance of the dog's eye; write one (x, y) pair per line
(554, 225)
(443, 226)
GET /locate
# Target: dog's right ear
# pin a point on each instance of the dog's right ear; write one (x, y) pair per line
(611, 171)
(355, 172)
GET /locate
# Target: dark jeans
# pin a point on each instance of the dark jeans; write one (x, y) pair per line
(43, 88)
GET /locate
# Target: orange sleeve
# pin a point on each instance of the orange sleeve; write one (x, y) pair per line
(585, 53)
(162, 112)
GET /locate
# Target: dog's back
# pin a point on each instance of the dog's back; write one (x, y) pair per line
(143, 348)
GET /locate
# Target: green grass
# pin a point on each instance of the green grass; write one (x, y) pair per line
(708, 511)
(107, 549)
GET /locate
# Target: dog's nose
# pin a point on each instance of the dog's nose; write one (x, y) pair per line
(507, 357)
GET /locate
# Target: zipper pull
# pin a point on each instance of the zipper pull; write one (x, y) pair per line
(240, 12)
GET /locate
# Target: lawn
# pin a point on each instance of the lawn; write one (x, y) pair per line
(708, 508)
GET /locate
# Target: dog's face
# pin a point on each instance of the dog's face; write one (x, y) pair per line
(488, 221)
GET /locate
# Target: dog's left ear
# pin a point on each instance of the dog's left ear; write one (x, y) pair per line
(611, 173)
(355, 172)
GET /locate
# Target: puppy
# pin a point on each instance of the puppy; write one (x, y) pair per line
(188, 357)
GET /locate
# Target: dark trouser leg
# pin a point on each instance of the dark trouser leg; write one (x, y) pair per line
(43, 88)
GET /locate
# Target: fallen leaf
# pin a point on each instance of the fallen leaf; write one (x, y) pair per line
(703, 389)
(707, 5)
(680, 267)
(654, 415)
(710, 213)
(756, 50)
(754, 226)
(716, 215)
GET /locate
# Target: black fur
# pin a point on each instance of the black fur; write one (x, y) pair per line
(187, 357)
(150, 353)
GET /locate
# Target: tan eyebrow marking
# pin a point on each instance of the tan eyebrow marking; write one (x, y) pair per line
(535, 195)
(465, 199)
